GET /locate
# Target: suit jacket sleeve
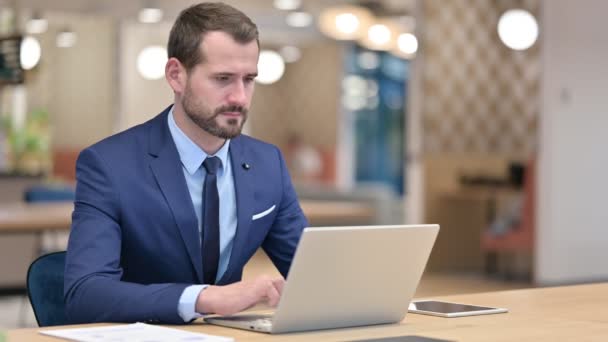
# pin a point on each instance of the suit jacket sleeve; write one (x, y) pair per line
(281, 242)
(93, 288)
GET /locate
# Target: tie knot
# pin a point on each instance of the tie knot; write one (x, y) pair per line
(211, 164)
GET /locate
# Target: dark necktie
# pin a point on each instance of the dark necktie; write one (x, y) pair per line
(210, 240)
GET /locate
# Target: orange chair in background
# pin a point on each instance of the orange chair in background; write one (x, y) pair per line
(518, 242)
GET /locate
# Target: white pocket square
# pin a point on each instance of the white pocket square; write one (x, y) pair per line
(263, 213)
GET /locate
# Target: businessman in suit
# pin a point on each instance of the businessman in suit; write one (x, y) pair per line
(167, 213)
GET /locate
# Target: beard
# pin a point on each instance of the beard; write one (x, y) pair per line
(207, 118)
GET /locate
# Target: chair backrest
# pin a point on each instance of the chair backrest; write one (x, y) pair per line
(48, 193)
(45, 289)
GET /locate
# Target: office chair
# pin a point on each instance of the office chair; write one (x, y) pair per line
(520, 239)
(45, 193)
(45, 289)
(48, 193)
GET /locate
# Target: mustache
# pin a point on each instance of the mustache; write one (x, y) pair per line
(233, 108)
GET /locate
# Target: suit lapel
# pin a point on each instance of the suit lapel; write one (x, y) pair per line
(166, 167)
(243, 185)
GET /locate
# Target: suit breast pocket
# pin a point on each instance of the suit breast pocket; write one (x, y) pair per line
(264, 213)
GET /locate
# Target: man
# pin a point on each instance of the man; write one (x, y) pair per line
(167, 213)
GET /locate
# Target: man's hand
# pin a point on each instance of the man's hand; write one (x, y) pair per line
(233, 298)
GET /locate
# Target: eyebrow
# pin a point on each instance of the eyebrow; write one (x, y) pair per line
(254, 74)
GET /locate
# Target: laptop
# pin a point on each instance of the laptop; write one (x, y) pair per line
(345, 277)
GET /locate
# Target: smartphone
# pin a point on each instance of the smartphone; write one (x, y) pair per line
(448, 309)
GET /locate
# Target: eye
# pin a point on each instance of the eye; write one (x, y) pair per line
(249, 79)
(222, 78)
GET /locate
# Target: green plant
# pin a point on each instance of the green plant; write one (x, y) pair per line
(5, 122)
(29, 142)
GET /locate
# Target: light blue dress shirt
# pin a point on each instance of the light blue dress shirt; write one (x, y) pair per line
(192, 158)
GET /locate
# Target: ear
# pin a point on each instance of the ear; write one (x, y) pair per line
(176, 75)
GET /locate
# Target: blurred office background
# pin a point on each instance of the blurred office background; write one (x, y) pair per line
(485, 116)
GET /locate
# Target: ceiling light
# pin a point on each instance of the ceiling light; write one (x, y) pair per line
(287, 5)
(379, 34)
(30, 53)
(382, 35)
(406, 46)
(345, 22)
(517, 29)
(151, 62)
(66, 38)
(407, 43)
(150, 15)
(299, 19)
(37, 24)
(270, 67)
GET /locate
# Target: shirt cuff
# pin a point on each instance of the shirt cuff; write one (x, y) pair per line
(186, 308)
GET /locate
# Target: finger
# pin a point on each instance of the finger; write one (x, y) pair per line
(272, 296)
(278, 284)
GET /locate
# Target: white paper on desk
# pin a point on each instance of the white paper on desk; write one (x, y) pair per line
(137, 332)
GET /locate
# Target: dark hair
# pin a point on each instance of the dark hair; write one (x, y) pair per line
(195, 21)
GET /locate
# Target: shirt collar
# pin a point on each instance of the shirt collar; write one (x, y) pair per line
(190, 154)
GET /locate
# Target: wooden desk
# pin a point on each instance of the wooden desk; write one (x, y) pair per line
(337, 212)
(571, 313)
(21, 227)
(28, 218)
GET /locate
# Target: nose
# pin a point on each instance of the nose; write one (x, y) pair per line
(238, 94)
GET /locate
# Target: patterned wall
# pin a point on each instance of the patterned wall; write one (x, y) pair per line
(479, 96)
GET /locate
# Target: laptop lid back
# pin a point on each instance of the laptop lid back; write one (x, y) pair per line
(352, 276)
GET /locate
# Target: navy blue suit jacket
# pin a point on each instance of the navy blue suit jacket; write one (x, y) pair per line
(134, 244)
